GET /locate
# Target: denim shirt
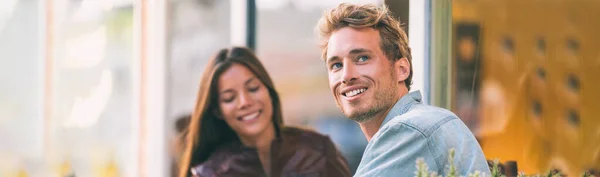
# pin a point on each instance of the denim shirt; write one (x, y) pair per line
(412, 130)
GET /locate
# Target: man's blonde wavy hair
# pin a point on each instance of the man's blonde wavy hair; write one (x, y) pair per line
(394, 42)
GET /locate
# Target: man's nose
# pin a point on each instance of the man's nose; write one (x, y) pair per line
(245, 100)
(349, 73)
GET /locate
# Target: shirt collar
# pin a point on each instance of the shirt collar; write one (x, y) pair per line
(402, 105)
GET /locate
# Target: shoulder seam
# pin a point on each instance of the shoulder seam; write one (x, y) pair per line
(429, 146)
(436, 125)
(423, 134)
(439, 124)
(429, 143)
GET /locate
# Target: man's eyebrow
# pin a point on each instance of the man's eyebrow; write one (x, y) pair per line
(333, 58)
(360, 50)
(352, 52)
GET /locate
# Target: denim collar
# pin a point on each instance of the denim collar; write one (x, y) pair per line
(403, 105)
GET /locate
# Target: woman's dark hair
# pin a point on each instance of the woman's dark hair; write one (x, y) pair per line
(206, 131)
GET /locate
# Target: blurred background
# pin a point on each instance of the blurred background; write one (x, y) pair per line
(96, 87)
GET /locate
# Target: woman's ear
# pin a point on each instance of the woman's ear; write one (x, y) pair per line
(402, 68)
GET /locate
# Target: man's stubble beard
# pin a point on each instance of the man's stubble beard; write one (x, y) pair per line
(384, 99)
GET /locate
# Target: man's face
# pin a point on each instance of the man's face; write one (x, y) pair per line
(362, 79)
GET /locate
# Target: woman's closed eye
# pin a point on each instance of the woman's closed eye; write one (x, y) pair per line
(228, 98)
(253, 88)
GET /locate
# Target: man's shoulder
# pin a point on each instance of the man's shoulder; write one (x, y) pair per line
(422, 118)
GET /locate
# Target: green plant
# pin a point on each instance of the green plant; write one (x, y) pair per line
(496, 172)
(451, 168)
(588, 174)
(423, 170)
(553, 173)
(476, 174)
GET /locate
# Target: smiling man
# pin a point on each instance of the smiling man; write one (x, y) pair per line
(369, 65)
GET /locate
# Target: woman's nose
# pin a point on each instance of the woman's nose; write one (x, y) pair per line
(245, 101)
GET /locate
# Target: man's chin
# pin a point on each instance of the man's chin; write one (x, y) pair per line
(357, 116)
(352, 112)
(361, 115)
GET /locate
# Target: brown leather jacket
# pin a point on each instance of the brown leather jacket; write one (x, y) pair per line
(295, 153)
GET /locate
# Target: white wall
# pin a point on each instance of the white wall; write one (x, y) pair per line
(419, 18)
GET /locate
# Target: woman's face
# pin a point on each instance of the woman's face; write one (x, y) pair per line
(245, 103)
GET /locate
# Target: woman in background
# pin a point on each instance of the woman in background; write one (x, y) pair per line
(237, 127)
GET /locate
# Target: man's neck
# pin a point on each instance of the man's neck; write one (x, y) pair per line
(371, 126)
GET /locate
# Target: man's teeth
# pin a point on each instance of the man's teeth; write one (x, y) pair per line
(355, 92)
(251, 116)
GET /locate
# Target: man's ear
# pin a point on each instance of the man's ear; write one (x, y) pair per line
(402, 68)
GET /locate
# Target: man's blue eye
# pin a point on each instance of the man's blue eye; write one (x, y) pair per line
(363, 58)
(336, 66)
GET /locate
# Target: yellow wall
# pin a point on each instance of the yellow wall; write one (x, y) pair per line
(565, 134)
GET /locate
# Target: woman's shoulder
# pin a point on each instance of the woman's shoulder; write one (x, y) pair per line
(303, 146)
(302, 132)
(204, 169)
(227, 159)
(211, 165)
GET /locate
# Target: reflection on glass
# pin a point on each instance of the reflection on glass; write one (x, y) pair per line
(534, 90)
(92, 95)
(197, 29)
(21, 121)
(86, 51)
(87, 110)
